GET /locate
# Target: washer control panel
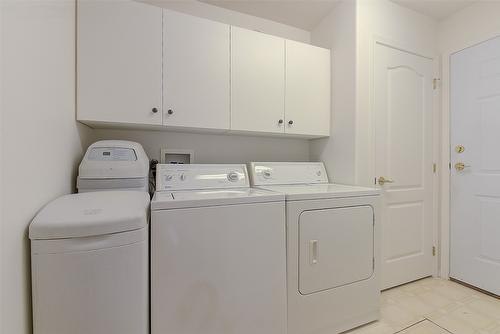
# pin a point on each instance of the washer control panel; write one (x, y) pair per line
(275, 173)
(196, 176)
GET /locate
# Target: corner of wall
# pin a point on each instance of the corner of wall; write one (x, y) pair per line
(338, 32)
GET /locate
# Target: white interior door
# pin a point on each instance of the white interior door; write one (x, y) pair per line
(403, 131)
(475, 189)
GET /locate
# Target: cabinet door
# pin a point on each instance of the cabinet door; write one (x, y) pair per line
(119, 62)
(195, 72)
(257, 81)
(307, 89)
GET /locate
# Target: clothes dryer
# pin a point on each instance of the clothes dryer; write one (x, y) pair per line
(332, 247)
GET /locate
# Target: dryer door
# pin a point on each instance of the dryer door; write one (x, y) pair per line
(335, 247)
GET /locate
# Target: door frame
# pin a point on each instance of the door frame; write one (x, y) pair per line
(446, 150)
(436, 120)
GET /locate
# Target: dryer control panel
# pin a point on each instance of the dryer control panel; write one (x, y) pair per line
(287, 173)
(198, 176)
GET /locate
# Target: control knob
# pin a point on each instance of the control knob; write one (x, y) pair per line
(266, 174)
(233, 176)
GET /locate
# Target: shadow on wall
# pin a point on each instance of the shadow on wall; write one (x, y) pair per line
(214, 148)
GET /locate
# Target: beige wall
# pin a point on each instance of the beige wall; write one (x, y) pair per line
(337, 31)
(234, 18)
(41, 142)
(211, 148)
(471, 25)
(1, 174)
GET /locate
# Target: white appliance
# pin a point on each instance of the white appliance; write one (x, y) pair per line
(332, 247)
(114, 165)
(89, 258)
(218, 259)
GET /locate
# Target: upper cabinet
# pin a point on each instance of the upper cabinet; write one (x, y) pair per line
(119, 63)
(308, 89)
(142, 66)
(195, 72)
(257, 81)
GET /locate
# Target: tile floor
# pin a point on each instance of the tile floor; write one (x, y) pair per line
(435, 306)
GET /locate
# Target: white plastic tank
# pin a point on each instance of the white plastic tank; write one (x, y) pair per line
(114, 165)
(90, 264)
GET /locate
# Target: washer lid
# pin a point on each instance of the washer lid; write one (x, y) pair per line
(321, 191)
(91, 214)
(212, 197)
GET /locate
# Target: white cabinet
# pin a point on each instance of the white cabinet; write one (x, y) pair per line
(142, 66)
(257, 81)
(119, 63)
(195, 72)
(308, 90)
(279, 86)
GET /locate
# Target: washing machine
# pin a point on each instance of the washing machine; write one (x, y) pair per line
(218, 257)
(332, 247)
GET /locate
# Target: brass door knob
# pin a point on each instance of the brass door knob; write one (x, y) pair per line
(459, 148)
(382, 180)
(460, 166)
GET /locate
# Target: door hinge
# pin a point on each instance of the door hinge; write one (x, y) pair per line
(449, 165)
(435, 83)
(373, 263)
(434, 168)
(433, 250)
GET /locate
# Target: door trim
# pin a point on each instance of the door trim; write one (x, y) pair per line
(445, 153)
(436, 120)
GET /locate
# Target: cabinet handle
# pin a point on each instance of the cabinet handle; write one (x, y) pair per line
(170, 111)
(154, 110)
(280, 121)
(290, 122)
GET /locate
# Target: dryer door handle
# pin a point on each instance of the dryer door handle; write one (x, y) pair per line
(314, 251)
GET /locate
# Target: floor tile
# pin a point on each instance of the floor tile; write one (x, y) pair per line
(424, 327)
(487, 306)
(379, 327)
(398, 317)
(435, 306)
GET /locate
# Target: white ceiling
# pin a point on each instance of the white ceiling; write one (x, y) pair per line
(438, 9)
(304, 14)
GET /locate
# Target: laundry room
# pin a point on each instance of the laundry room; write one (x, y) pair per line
(249, 166)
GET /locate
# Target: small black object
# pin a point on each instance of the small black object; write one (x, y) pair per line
(170, 111)
(280, 121)
(290, 122)
(153, 163)
(155, 110)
